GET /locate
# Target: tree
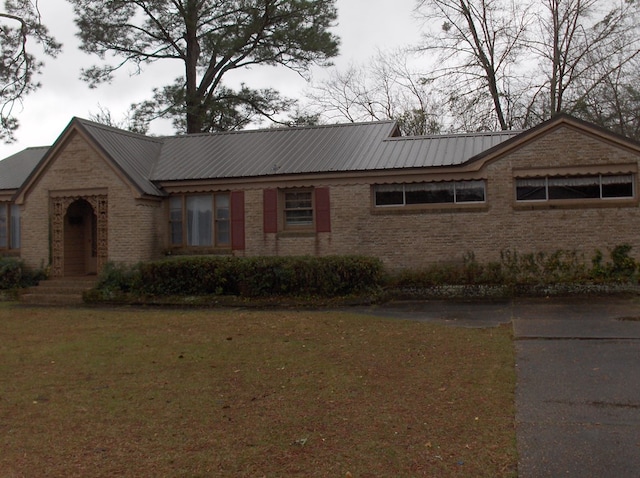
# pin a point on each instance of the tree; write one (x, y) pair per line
(615, 102)
(210, 39)
(19, 22)
(478, 47)
(580, 44)
(514, 64)
(386, 88)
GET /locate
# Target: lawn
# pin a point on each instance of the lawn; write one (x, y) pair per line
(237, 393)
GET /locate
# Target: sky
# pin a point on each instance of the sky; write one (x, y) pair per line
(364, 27)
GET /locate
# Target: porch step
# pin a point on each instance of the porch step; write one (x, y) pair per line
(58, 291)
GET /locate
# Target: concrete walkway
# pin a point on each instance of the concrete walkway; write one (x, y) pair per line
(578, 379)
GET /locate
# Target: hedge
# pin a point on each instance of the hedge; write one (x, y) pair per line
(248, 277)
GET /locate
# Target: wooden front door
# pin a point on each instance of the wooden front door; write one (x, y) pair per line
(80, 239)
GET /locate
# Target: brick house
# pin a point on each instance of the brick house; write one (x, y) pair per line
(101, 194)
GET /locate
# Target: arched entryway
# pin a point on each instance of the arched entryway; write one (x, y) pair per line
(78, 234)
(80, 239)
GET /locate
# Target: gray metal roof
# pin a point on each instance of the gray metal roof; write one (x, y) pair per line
(270, 151)
(433, 151)
(135, 154)
(15, 169)
(257, 153)
(344, 147)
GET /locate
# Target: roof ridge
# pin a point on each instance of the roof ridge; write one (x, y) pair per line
(279, 129)
(124, 132)
(456, 135)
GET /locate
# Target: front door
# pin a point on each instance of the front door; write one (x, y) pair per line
(80, 239)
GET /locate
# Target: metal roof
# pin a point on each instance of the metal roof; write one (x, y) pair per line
(433, 151)
(267, 152)
(15, 169)
(135, 154)
(256, 153)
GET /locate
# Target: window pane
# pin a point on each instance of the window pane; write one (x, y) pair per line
(3, 226)
(531, 189)
(223, 229)
(470, 191)
(574, 188)
(222, 206)
(429, 193)
(199, 220)
(15, 227)
(617, 186)
(223, 233)
(175, 209)
(298, 208)
(298, 200)
(175, 218)
(392, 195)
(299, 218)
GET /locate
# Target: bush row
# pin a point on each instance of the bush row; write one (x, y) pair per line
(248, 277)
(513, 269)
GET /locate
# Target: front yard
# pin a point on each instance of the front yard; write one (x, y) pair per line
(201, 393)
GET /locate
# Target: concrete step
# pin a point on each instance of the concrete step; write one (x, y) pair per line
(58, 291)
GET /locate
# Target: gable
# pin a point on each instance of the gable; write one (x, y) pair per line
(81, 158)
(560, 141)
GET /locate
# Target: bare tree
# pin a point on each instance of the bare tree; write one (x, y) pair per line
(580, 45)
(478, 46)
(385, 88)
(514, 64)
(615, 102)
(19, 21)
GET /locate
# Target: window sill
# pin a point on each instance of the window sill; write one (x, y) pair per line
(575, 204)
(433, 209)
(308, 233)
(198, 251)
(9, 252)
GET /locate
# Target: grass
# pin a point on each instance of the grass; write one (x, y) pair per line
(200, 393)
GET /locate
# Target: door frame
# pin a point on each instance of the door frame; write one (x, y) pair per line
(60, 203)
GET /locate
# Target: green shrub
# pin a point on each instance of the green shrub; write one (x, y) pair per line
(622, 268)
(249, 277)
(118, 277)
(14, 274)
(515, 269)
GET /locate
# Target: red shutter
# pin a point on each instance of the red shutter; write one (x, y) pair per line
(323, 210)
(270, 199)
(237, 220)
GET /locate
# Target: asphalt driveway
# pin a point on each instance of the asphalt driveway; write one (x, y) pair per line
(578, 389)
(578, 379)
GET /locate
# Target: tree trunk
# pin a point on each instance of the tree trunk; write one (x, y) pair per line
(486, 62)
(193, 100)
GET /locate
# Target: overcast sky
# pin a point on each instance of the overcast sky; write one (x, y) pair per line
(363, 26)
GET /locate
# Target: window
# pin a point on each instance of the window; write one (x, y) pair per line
(446, 192)
(200, 220)
(298, 208)
(9, 226)
(575, 187)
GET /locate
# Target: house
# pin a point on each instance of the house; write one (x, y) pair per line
(101, 194)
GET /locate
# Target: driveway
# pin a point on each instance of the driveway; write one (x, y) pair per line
(578, 379)
(578, 389)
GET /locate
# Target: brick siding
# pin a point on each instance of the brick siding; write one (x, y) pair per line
(77, 169)
(138, 229)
